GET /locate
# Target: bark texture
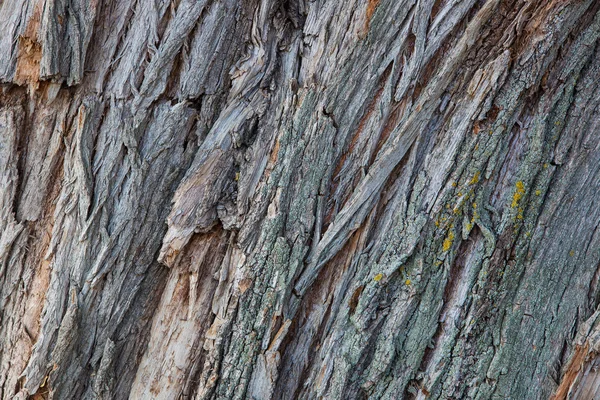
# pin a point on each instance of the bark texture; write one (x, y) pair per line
(281, 199)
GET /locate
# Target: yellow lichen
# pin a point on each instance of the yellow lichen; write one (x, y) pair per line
(407, 282)
(475, 178)
(538, 192)
(519, 192)
(520, 213)
(378, 277)
(572, 253)
(448, 241)
(454, 184)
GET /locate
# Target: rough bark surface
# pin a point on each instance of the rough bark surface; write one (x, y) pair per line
(263, 199)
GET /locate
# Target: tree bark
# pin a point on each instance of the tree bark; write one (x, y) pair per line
(262, 199)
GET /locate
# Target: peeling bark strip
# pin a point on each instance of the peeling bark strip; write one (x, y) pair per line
(264, 199)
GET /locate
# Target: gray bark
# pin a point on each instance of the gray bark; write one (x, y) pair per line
(262, 199)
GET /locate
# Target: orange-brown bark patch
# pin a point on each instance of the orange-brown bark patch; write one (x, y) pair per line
(29, 51)
(28, 62)
(371, 7)
(573, 369)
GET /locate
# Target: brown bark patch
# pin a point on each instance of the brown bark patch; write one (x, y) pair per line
(274, 153)
(29, 53)
(43, 392)
(353, 303)
(435, 9)
(273, 156)
(392, 121)
(371, 7)
(573, 368)
(41, 280)
(28, 62)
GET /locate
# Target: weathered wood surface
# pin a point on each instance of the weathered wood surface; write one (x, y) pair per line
(261, 199)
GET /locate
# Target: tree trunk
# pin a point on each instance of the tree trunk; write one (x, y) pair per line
(262, 199)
